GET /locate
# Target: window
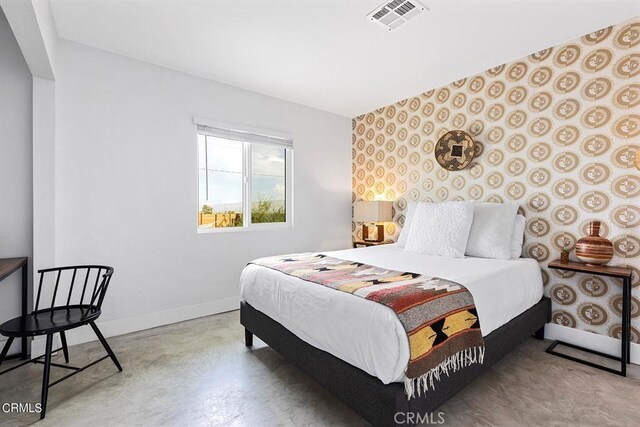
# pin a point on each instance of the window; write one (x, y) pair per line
(244, 179)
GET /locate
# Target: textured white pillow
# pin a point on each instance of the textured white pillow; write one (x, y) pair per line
(440, 228)
(404, 233)
(491, 231)
(517, 238)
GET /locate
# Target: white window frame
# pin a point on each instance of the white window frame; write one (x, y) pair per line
(249, 137)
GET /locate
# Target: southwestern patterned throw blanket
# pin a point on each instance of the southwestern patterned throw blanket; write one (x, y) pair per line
(438, 315)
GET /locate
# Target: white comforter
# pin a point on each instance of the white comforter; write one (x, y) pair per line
(369, 335)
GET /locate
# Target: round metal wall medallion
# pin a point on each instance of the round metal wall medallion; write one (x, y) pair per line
(455, 150)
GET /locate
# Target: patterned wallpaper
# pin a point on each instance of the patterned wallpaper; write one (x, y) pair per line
(557, 132)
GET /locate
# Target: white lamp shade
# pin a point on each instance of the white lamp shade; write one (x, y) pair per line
(372, 211)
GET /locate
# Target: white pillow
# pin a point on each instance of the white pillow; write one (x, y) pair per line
(491, 231)
(517, 238)
(440, 228)
(404, 233)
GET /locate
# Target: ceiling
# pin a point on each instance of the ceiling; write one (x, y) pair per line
(325, 53)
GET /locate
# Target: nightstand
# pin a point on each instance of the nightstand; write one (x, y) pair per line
(365, 243)
(608, 271)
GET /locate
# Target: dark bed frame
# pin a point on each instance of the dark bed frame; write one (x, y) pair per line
(367, 395)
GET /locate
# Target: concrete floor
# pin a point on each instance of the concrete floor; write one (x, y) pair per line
(199, 373)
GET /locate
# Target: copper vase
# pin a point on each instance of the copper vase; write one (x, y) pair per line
(593, 249)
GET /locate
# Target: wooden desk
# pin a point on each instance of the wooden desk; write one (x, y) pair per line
(608, 271)
(7, 267)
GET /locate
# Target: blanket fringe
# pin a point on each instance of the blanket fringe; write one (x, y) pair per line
(453, 363)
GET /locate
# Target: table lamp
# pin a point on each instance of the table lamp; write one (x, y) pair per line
(377, 212)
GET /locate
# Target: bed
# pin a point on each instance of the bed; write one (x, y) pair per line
(358, 350)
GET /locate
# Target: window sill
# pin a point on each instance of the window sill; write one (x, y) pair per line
(260, 227)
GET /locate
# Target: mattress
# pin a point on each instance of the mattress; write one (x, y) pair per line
(369, 335)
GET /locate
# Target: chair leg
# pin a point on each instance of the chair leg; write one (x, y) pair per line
(65, 349)
(45, 376)
(105, 345)
(5, 350)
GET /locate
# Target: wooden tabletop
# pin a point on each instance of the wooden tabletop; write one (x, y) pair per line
(9, 265)
(372, 243)
(605, 270)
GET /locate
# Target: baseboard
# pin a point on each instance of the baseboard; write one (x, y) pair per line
(589, 340)
(15, 348)
(112, 328)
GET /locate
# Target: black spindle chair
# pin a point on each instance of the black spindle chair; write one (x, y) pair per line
(90, 283)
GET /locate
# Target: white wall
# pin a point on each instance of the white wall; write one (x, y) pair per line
(44, 190)
(15, 167)
(126, 184)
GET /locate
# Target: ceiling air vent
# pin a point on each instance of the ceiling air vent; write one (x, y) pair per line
(393, 14)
